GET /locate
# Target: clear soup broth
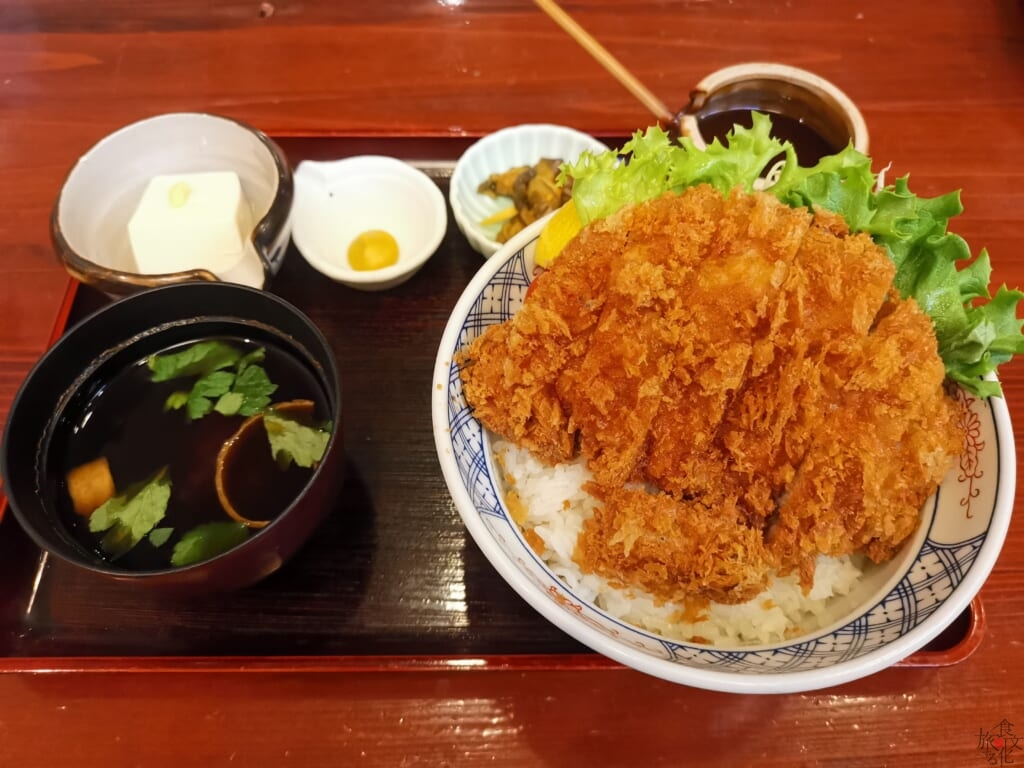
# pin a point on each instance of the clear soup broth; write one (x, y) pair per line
(144, 430)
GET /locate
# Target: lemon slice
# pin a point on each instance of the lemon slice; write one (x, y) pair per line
(560, 229)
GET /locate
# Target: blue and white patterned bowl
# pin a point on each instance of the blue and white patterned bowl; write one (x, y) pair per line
(898, 607)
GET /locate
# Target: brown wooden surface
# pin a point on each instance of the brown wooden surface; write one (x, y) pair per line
(941, 85)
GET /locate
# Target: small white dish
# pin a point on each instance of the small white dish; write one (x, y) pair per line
(337, 200)
(500, 151)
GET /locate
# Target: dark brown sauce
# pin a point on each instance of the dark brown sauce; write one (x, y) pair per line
(810, 145)
(123, 419)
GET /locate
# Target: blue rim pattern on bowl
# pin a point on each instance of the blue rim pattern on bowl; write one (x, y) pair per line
(920, 598)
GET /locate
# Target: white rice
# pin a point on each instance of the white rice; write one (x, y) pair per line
(555, 507)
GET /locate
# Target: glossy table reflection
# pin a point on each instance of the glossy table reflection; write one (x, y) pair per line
(939, 84)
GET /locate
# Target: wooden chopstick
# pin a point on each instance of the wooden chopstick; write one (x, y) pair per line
(605, 59)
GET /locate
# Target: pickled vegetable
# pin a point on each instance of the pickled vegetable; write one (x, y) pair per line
(535, 191)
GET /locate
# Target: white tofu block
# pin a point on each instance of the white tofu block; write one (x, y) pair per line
(190, 221)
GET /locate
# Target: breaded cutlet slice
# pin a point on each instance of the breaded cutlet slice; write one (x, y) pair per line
(613, 392)
(510, 371)
(891, 438)
(729, 301)
(826, 306)
(676, 550)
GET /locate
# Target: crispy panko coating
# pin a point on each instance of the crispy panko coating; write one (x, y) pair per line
(825, 307)
(656, 542)
(510, 371)
(879, 454)
(616, 390)
(729, 301)
(743, 382)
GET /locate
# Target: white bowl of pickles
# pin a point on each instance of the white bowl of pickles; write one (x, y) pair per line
(509, 179)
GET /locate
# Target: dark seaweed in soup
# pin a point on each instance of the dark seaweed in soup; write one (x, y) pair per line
(124, 418)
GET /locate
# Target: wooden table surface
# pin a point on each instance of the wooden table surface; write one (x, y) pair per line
(941, 85)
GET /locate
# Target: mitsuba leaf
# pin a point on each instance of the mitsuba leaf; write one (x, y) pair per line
(195, 360)
(255, 388)
(197, 406)
(159, 536)
(229, 403)
(131, 515)
(214, 384)
(176, 400)
(206, 541)
(291, 441)
(257, 355)
(230, 383)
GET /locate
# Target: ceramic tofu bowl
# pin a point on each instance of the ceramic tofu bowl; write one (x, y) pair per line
(174, 198)
(339, 203)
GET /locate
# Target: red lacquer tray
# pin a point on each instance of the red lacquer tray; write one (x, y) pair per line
(391, 580)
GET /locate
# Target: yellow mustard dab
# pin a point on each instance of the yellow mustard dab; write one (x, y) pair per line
(373, 249)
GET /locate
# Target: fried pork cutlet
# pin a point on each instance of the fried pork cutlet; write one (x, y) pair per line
(824, 308)
(653, 541)
(743, 391)
(729, 299)
(615, 391)
(510, 371)
(878, 455)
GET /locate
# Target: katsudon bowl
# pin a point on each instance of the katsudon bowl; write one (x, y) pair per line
(891, 610)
